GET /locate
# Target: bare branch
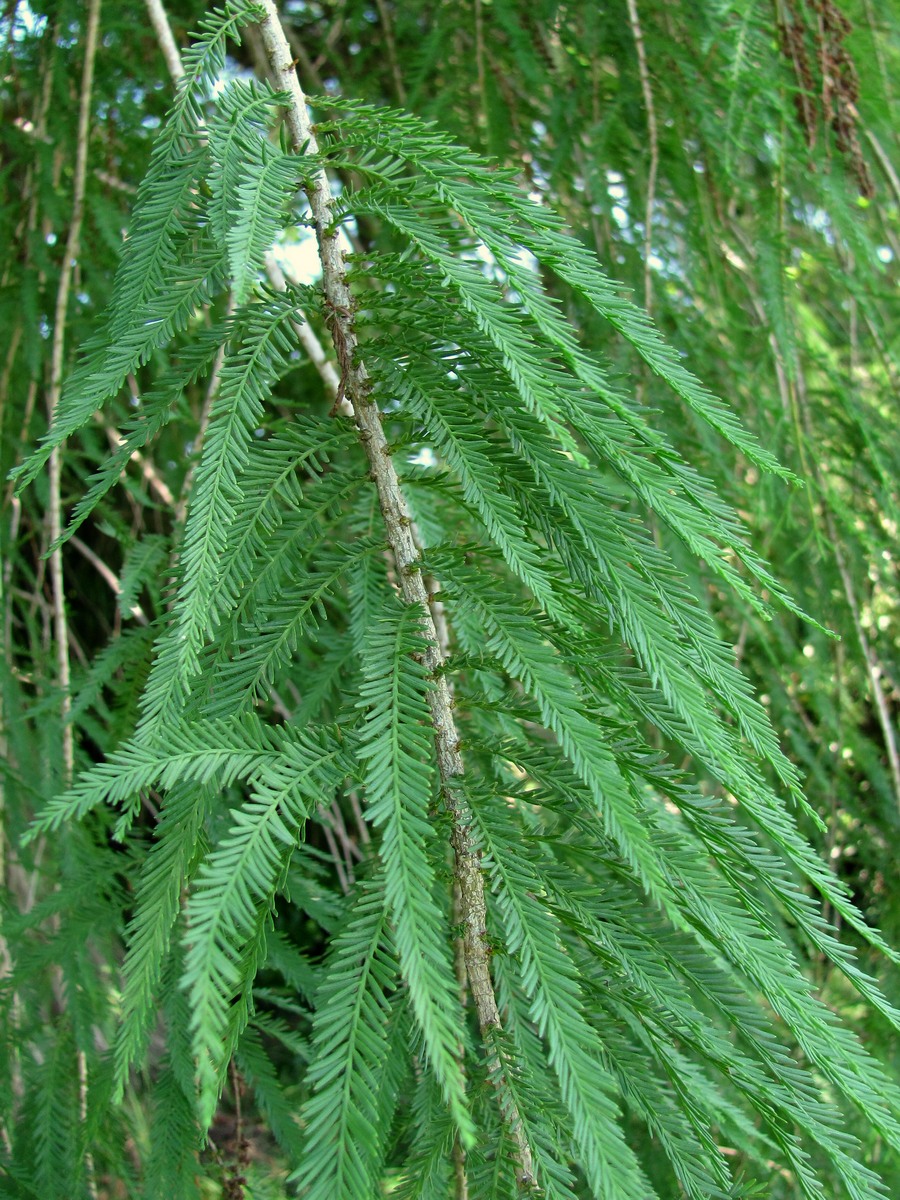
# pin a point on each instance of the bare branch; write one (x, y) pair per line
(160, 21)
(60, 621)
(384, 17)
(637, 33)
(70, 258)
(108, 575)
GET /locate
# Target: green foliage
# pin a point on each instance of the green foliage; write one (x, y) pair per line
(348, 1115)
(395, 749)
(240, 950)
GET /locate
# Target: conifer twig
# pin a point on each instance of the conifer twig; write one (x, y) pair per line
(398, 526)
(311, 344)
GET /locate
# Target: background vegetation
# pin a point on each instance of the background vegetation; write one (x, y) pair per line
(730, 164)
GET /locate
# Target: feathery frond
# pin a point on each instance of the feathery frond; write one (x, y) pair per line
(399, 778)
(457, 788)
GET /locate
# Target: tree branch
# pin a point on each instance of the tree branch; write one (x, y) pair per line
(276, 277)
(160, 22)
(108, 575)
(384, 17)
(398, 527)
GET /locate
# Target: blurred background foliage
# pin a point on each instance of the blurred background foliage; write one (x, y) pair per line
(733, 166)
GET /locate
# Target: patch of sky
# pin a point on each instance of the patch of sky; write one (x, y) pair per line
(539, 181)
(299, 259)
(492, 269)
(772, 146)
(231, 70)
(25, 22)
(618, 193)
(297, 251)
(524, 258)
(815, 218)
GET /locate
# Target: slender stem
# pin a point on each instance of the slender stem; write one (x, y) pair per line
(460, 1176)
(364, 836)
(160, 22)
(340, 870)
(398, 528)
(384, 17)
(81, 1059)
(54, 508)
(479, 64)
(212, 390)
(886, 165)
(73, 246)
(151, 475)
(108, 575)
(308, 340)
(60, 621)
(634, 21)
(873, 667)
